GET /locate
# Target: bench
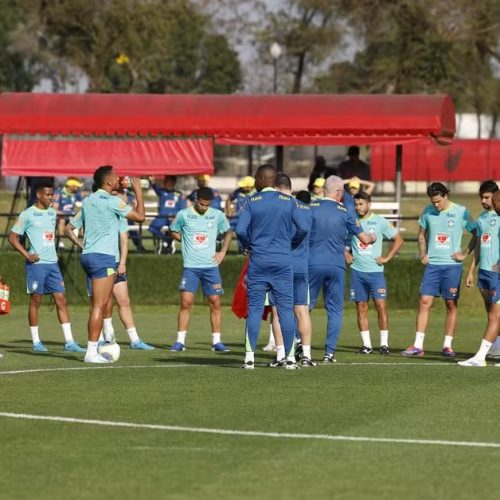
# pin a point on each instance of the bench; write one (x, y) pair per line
(391, 210)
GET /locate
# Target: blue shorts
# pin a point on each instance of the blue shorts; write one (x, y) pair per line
(44, 278)
(98, 265)
(489, 281)
(211, 281)
(442, 281)
(300, 289)
(119, 278)
(366, 285)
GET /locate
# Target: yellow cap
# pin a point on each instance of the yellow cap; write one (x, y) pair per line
(73, 182)
(319, 182)
(203, 177)
(354, 185)
(247, 182)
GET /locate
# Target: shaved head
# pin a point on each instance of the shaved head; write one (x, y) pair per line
(265, 177)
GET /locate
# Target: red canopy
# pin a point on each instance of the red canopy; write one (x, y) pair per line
(235, 119)
(81, 157)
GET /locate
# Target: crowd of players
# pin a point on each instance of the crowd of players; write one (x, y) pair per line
(297, 246)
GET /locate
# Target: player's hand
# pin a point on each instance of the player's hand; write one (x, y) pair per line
(135, 183)
(122, 269)
(425, 260)
(381, 260)
(469, 281)
(458, 256)
(219, 257)
(495, 267)
(33, 257)
(349, 258)
(374, 237)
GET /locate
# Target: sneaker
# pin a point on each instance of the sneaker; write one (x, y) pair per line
(413, 351)
(365, 350)
(248, 365)
(291, 365)
(141, 345)
(269, 348)
(219, 347)
(1, 355)
(384, 350)
(472, 362)
(299, 352)
(39, 347)
(109, 339)
(307, 362)
(97, 358)
(73, 347)
(277, 364)
(494, 354)
(178, 347)
(329, 358)
(448, 352)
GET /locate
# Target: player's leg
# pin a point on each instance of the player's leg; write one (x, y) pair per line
(33, 308)
(278, 339)
(333, 290)
(108, 331)
(451, 279)
(122, 297)
(188, 286)
(360, 294)
(378, 291)
(304, 327)
(488, 284)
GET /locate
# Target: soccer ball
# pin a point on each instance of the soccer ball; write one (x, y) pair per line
(109, 351)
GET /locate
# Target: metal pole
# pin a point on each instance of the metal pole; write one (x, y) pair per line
(399, 177)
(278, 150)
(279, 158)
(249, 160)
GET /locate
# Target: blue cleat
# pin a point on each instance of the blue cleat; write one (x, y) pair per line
(73, 347)
(141, 345)
(413, 351)
(219, 347)
(178, 347)
(39, 347)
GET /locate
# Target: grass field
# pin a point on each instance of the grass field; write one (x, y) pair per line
(299, 425)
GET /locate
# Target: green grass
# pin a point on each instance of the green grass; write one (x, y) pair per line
(403, 400)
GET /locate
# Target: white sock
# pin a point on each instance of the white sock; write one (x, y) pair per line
(306, 350)
(280, 352)
(384, 338)
(101, 337)
(271, 336)
(132, 334)
(290, 358)
(107, 328)
(496, 344)
(249, 356)
(365, 336)
(483, 350)
(215, 338)
(419, 340)
(66, 328)
(34, 334)
(91, 349)
(448, 339)
(181, 337)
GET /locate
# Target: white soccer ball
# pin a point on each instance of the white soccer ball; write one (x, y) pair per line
(110, 351)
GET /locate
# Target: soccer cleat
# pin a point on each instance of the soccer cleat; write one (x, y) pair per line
(269, 348)
(219, 347)
(384, 350)
(448, 352)
(365, 350)
(178, 347)
(307, 362)
(73, 347)
(141, 345)
(97, 358)
(277, 364)
(472, 362)
(248, 365)
(291, 365)
(413, 351)
(329, 358)
(494, 354)
(299, 351)
(39, 347)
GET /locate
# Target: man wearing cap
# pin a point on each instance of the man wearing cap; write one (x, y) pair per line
(203, 181)
(171, 201)
(235, 201)
(318, 189)
(356, 185)
(65, 202)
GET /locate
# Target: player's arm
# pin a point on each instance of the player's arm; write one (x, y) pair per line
(422, 245)
(72, 227)
(226, 242)
(301, 225)
(243, 225)
(138, 213)
(349, 257)
(368, 186)
(16, 244)
(469, 280)
(175, 228)
(397, 243)
(122, 265)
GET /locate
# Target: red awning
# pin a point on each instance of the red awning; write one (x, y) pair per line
(235, 119)
(130, 157)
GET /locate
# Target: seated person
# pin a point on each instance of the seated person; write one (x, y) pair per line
(202, 181)
(65, 202)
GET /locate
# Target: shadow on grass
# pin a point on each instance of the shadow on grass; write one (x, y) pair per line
(50, 354)
(223, 361)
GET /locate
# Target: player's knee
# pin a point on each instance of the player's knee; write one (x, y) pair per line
(61, 302)
(214, 303)
(451, 305)
(425, 303)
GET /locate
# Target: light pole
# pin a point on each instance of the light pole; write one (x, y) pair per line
(275, 50)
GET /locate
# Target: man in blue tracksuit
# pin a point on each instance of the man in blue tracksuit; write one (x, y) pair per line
(267, 225)
(331, 222)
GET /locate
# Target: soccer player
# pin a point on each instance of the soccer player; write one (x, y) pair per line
(487, 256)
(170, 202)
(197, 228)
(367, 271)
(43, 275)
(65, 202)
(203, 181)
(267, 225)
(331, 223)
(442, 224)
(101, 212)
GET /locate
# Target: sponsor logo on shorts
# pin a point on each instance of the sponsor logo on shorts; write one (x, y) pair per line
(34, 285)
(217, 286)
(62, 284)
(453, 291)
(381, 291)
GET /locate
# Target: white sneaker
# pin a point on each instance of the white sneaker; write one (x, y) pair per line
(494, 354)
(1, 355)
(97, 358)
(269, 348)
(472, 362)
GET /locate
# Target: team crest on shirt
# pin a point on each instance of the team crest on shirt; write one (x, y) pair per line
(451, 223)
(493, 222)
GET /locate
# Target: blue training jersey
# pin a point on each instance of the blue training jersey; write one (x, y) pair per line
(330, 226)
(66, 201)
(488, 225)
(267, 225)
(170, 202)
(300, 254)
